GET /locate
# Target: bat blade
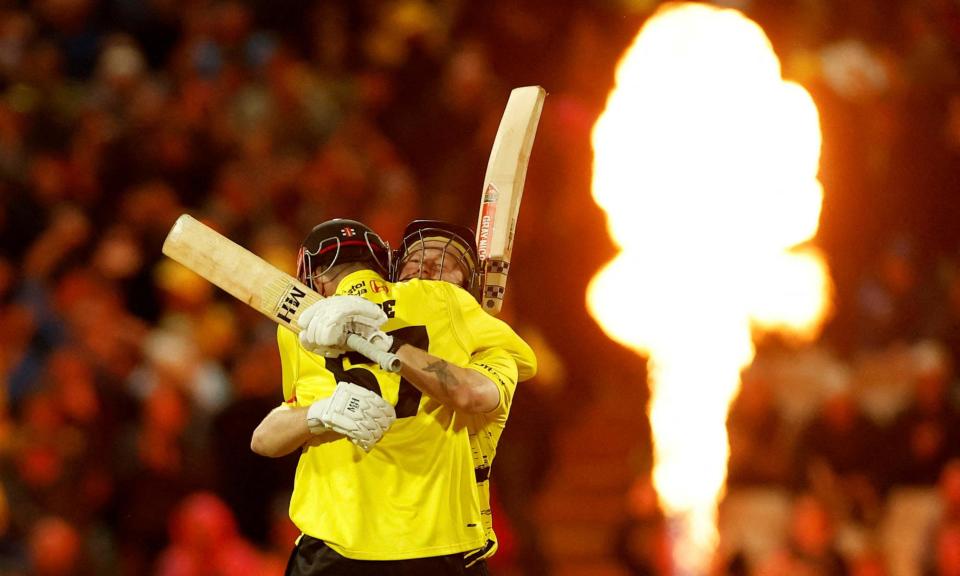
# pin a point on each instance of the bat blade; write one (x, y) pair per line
(503, 190)
(252, 280)
(241, 273)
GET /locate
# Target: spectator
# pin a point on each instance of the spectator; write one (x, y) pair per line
(939, 540)
(869, 562)
(46, 454)
(56, 549)
(927, 433)
(204, 541)
(889, 303)
(525, 455)
(946, 559)
(13, 558)
(949, 488)
(642, 541)
(253, 499)
(760, 437)
(159, 469)
(811, 546)
(836, 458)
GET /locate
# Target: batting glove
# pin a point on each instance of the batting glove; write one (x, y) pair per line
(359, 414)
(326, 325)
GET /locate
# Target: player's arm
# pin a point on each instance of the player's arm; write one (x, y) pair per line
(284, 429)
(281, 432)
(355, 412)
(496, 355)
(460, 388)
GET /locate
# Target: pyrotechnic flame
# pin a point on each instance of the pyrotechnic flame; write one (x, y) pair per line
(706, 164)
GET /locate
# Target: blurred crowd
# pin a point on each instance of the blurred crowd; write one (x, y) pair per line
(130, 387)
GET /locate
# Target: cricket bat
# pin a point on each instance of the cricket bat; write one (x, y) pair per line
(252, 280)
(503, 190)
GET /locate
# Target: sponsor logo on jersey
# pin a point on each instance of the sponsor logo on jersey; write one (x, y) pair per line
(358, 289)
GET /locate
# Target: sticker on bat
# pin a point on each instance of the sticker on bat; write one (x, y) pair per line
(289, 303)
(488, 212)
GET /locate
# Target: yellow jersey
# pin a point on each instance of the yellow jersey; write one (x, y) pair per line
(423, 490)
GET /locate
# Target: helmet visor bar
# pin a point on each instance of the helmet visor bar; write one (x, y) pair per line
(450, 247)
(316, 263)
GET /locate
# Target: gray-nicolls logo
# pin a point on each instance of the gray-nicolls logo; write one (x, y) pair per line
(488, 212)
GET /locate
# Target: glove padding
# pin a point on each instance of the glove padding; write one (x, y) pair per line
(357, 413)
(326, 324)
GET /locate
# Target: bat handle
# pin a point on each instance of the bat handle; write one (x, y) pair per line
(386, 360)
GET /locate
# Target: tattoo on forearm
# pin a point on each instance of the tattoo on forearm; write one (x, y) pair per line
(442, 370)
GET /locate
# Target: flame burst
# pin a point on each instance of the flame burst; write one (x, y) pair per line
(706, 163)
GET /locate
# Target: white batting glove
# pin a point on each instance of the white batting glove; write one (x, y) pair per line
(326, 324)
(359, 414)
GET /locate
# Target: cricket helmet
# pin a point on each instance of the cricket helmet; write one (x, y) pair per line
(339, 241)
(459, 242)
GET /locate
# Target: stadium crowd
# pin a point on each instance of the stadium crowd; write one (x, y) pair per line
(130, 387)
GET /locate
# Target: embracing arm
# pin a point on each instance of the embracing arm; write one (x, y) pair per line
(462, 389)
(355, 412)
(281, 432)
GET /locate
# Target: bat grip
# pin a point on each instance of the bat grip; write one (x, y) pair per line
(386, 360)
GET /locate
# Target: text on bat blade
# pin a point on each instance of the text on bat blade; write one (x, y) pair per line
(290, 303)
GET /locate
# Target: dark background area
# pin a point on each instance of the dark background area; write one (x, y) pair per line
(131, 388)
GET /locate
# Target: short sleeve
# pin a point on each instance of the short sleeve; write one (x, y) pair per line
(287, 344)
(481, 331)
(499, 366)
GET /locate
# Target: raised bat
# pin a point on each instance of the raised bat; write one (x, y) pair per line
(503, 190)
(253, 280)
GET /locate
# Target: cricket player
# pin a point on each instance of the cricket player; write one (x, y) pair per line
(437, 250)
(378, 492)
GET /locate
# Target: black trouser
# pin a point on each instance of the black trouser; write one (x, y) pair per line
(313, 557)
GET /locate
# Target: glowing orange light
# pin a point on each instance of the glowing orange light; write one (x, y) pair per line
(706, 165)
